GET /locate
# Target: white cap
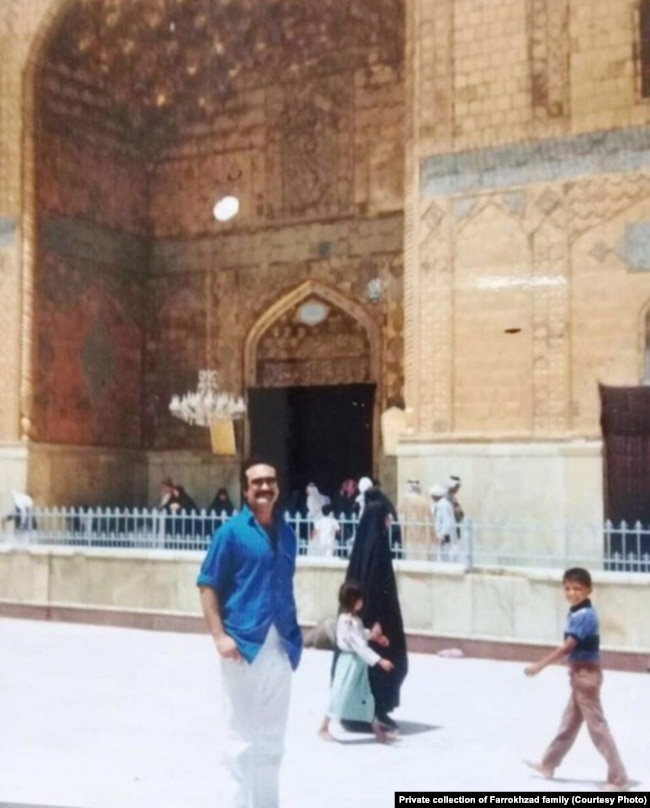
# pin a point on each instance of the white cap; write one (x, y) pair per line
(438, 490)
(364, 484)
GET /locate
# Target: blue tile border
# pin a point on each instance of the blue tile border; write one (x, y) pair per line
(621, 150)
(8, 227)
(92, 242)
(634, 247)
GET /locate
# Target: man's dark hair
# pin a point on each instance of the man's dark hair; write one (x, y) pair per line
(255, 460)
(327, 509)
(349, 594)
(578, 574)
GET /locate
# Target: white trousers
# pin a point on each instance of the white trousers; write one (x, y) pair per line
(449, 551)
(256, 708)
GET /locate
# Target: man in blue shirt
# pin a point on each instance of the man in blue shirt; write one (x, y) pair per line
(246, 585)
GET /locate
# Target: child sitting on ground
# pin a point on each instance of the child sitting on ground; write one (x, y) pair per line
(581, 647)
(350, 695)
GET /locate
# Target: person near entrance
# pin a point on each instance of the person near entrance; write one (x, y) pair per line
(444, 522)
(247, 597)
(418, 536)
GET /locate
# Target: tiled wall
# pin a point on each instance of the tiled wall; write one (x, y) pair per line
(529, 212)
(543, 251)
(528, 271)
(92, 260)
(137, 287)
(321, 199)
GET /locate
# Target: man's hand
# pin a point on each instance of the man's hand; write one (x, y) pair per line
(532, 670)
(227, 648)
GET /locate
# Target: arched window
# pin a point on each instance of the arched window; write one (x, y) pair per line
(644, 47)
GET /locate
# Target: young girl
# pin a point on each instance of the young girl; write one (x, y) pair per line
(350, 695)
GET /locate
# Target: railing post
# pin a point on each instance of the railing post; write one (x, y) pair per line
(638, 527)
(88, 525)
(468, 529)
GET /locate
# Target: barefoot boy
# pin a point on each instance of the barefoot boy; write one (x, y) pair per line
(581, 647)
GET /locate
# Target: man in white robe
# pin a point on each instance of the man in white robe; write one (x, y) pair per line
(418, 537)
(444, 522)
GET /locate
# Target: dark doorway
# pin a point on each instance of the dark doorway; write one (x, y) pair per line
(317, 434)
(625, 421)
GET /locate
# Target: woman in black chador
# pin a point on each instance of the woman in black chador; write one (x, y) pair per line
(371, 566)
(221, 503)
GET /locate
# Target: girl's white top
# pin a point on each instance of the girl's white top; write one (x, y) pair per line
(351, 636)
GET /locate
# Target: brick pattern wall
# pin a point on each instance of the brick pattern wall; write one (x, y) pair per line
(336, 351)
(610, 260)
(548, 51)
(484, 76)
(92, 212)
(9, 328)
(491, 81)
(326, 209)
(508, 71)
(540, 297)
(603, 72)
(210, 327)
(531, 216)
(11, 47)
(78, 180)
(321, 199)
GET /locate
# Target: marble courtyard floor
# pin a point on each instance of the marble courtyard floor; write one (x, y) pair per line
(102, 717)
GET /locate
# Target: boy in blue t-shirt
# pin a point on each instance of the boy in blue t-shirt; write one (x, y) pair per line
(581, 647)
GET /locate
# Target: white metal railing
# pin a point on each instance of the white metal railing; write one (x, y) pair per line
(623, 547)
(620, 547)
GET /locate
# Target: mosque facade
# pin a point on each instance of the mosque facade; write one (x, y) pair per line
(445, 216)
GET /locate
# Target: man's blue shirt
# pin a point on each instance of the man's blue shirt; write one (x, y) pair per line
(253, 578)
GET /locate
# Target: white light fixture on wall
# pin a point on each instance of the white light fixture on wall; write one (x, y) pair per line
(227, 204)
(375, 290)
(312, 312)
(226, 208)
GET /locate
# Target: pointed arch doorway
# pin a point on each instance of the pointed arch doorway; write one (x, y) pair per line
(311, 370)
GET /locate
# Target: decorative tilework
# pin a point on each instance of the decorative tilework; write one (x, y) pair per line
(599, 251)
(550, 160)
(464, 207)
(548, 55)
(7, 230)
(87, 241)
(515, 203)
(634, 248)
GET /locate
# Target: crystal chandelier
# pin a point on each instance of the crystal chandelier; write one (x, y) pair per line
(207, 404)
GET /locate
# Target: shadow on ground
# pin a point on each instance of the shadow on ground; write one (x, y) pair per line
(405, 727)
